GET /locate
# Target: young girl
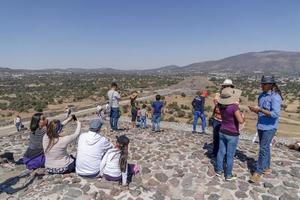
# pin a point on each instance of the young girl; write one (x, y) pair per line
(58, 161)
(114, 165)
(143, 116)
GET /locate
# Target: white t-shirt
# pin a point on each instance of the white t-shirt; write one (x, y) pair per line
(114, 98)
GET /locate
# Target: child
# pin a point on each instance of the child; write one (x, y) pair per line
(156, 113)
(138, 118)
(144, 116)
(114, 165)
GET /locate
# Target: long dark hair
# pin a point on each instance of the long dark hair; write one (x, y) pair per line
(277, 90)
(123, 157)
(35, 120)
(52, 135)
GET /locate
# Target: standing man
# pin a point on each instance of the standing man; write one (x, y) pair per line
(198, 108)
(114, 99)
(268, 111)
(157, 110)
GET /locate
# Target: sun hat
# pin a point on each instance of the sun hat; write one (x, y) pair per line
(267, 79)
(229, 96)
(133, 95)
(227, 82)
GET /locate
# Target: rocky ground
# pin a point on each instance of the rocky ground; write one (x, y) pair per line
(174, 165)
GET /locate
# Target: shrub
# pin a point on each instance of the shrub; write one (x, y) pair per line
(180, 113)
(183, 94)
(185, 107)
(125, 108)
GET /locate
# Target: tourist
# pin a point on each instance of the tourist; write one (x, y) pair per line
(114, 99)
(268, 111)
(92, 146)
(229, 131)
(34, 156)
(157, 110)
(198, 110)
(144, 116)
(134, 110)
(216, 123)
(114, 166)
(100, 113)
(18, 122)
(58, 161)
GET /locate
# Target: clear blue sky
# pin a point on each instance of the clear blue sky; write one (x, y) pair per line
(128, 34)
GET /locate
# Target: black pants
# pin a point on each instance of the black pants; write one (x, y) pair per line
(216, 130)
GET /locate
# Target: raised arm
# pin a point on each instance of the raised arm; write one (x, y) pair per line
(69, 138)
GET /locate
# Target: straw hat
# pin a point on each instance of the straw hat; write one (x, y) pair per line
(134, 95)
(230, 96)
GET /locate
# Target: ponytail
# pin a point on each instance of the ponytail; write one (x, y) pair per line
(277, 90)
(123, 158)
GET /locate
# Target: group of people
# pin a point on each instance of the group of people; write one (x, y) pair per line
(139, 114)
(96, 155)
(227, 118)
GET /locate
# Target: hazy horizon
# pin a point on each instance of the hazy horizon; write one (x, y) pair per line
(141, 34)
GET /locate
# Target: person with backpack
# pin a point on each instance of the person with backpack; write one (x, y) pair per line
(157, 109)
(114, 166)
(216, 117)
(268, 112)
(229, 131)
(92, 146)
(55, 145)
(114, 99)
(34, 156)
(198, 111)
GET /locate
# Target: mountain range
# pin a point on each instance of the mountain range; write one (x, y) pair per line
(264, 61)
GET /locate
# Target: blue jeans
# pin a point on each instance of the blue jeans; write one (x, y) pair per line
(18, 126)
(216, 129)
(198, 114)
(156, 122)
(114, 117)
(227, 145)
(264, 157)
(143, 122)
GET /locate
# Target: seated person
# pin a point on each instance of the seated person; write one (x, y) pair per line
(34, 156)
(91, 148)
(58, 161)
(114, 165)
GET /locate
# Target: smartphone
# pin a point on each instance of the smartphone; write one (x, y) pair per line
(74, 117)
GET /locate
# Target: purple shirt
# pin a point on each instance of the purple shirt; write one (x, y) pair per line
(229, 125)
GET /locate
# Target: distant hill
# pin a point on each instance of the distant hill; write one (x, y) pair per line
(265, 61)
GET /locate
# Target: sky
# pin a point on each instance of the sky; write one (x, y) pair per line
(140, 34)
